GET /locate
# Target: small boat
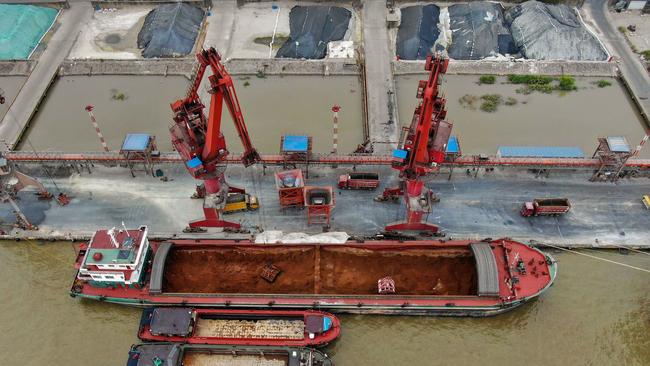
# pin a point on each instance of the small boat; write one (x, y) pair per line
(181, 354)
(425, 277)
(292, 328)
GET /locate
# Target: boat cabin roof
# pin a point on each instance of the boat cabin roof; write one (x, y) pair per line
(115, 246)
(171, 321)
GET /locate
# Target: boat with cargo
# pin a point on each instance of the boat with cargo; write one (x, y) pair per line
(182, 354)
(424, 277)
(295, 328)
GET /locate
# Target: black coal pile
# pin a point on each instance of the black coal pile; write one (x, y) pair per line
(312, 28)
(170, 30)
(418, 31)
(479, 31)
(552, 32)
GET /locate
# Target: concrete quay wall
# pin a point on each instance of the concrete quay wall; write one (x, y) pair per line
(590, 68)
(16, 67)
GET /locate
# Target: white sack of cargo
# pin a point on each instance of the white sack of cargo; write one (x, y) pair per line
(278, 237)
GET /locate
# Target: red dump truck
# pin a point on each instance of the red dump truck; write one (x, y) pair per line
(546, 207)
(359, 181)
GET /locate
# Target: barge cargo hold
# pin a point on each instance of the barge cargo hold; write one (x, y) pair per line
(177, 354)
(456, 277)
(293, 328)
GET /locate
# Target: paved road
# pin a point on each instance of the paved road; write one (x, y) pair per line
(379, 77)
(630, 64)
(469, 208)
(20, 112)
(220, 26)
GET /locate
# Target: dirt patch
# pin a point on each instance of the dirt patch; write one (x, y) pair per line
(320, 270)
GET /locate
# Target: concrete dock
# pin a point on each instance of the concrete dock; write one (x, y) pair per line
(602, 215)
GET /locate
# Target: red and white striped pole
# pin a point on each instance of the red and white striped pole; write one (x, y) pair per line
(89, 108)
(640, 145)
(335, 136)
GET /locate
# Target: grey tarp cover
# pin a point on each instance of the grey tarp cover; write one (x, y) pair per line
(478, 31)
(417, 32)
(312, 27)
(170, 30)
(171, 321)
(486, 269)
(552, 32)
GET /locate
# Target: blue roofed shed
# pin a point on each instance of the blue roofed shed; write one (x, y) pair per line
(136, 142)
(295, 143)
(540, 152)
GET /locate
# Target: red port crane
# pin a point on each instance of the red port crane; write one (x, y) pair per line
(200, 141)
(422, 147)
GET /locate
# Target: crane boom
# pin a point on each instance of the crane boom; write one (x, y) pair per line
(421, 148)
(199, 139)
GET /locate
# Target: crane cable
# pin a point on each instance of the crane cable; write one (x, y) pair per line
(596, 257)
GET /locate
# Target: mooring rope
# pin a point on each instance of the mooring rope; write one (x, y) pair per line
(598, 258)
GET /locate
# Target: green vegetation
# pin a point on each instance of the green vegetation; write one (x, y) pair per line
(487, 79)
(567, 83)
(622, 29)
(261, 74)
(510, 101)
(543, 84)
(529, 79)
(246, 83)
(490, 102)
(603, 83)
(277, 42)
(118, 95)
(646, 54)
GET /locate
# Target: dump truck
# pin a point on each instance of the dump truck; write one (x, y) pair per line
(546, 207)
(646, 201)
(237, 202)
(359, 181)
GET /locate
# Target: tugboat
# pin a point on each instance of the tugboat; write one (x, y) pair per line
(177, 354)
(239, 327)
(429, 277)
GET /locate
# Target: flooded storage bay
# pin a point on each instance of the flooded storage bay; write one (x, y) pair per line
(597, 313)
(575, 118)
(272, 106)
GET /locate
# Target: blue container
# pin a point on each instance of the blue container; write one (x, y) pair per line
(540, 152)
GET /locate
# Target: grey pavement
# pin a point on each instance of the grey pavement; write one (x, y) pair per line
(379, 78)
(57, 48)
(220, 25)
(488, 206)
(630, 64)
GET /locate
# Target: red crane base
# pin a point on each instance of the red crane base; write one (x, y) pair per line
(212, 220)
(412, 226)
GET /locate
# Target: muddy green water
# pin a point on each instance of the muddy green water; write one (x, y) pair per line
(596, 314)
(272, 106)
(9, 86)
(575, 118)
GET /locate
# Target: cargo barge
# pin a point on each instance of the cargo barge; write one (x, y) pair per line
(293, 328)
(432, 277)
(178, 354)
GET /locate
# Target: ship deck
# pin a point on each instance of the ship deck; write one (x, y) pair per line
(319, 270)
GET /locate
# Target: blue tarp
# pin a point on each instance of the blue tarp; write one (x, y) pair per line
(136, 142)
(295, 143)
(540, 152)
(21, 28)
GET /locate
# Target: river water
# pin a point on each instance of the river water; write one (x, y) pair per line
(272, 106)
(597, 313)
(575, 118)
